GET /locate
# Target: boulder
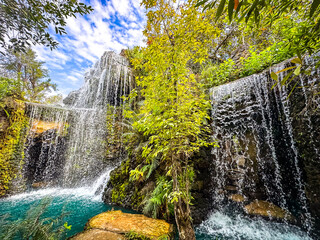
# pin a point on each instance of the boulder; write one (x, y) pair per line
(98, 234)
(39, 184)
(231, 188)
(241, 161)
(117, 223)
(267, 209)
(237, 198)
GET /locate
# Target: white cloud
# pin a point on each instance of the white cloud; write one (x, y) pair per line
(114, 26)
(73, 79)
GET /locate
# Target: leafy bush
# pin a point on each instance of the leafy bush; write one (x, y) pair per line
(10, 87)
(216, 74)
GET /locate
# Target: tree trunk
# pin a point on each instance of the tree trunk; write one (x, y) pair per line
(181, 208)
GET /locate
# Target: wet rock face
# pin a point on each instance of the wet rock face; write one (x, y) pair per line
(105, 83)
(42, 126)
(269, 143)
(71, 98)
(44, 159)
(114, 223)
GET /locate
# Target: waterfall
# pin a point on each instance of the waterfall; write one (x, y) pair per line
(67, 145)
(267, 141)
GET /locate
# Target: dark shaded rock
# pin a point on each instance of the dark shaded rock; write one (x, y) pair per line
(44, 158)
(71, 98)
(267, 209)
(132, 194)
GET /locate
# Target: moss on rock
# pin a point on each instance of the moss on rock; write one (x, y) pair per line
(119, 222)
(11, 144)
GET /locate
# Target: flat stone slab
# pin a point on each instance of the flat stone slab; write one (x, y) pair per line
(98, 234)
(119, 222)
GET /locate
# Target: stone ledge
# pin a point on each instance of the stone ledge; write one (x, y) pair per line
(119, 223)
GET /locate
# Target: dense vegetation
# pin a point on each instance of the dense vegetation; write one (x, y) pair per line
(190, 47)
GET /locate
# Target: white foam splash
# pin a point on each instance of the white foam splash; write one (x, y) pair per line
(239, 227)
(94, 192)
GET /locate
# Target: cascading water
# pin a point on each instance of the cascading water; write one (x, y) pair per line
(82, 126)
(261, 154)
(68, 153)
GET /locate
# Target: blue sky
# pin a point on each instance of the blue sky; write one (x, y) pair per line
(113, 25)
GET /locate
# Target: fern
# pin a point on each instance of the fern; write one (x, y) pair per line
(159, 198)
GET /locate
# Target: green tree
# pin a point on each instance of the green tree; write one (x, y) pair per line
(294, 27)
(175, 107)
(23, 22)
(30, 74)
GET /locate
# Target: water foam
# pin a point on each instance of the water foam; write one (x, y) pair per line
(226, 226)
(93, 192)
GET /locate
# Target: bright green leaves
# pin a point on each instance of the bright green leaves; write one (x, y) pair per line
(32, 78)
(66, 226)
(11, 152)
(297, 70)
(175, 106)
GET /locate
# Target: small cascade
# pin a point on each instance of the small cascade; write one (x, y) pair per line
(67, 146)
(93, 191)
(263, 135)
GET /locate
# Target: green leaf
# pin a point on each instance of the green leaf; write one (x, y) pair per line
(67, 226)
(297, 60)
(230, 9)
(238, 7)
(220, 8)
(292, 90)
(285, 69)
(201, 3)
(274, 76)
(286, 78)
(254, 5)
(314, 7)
(297, 71)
